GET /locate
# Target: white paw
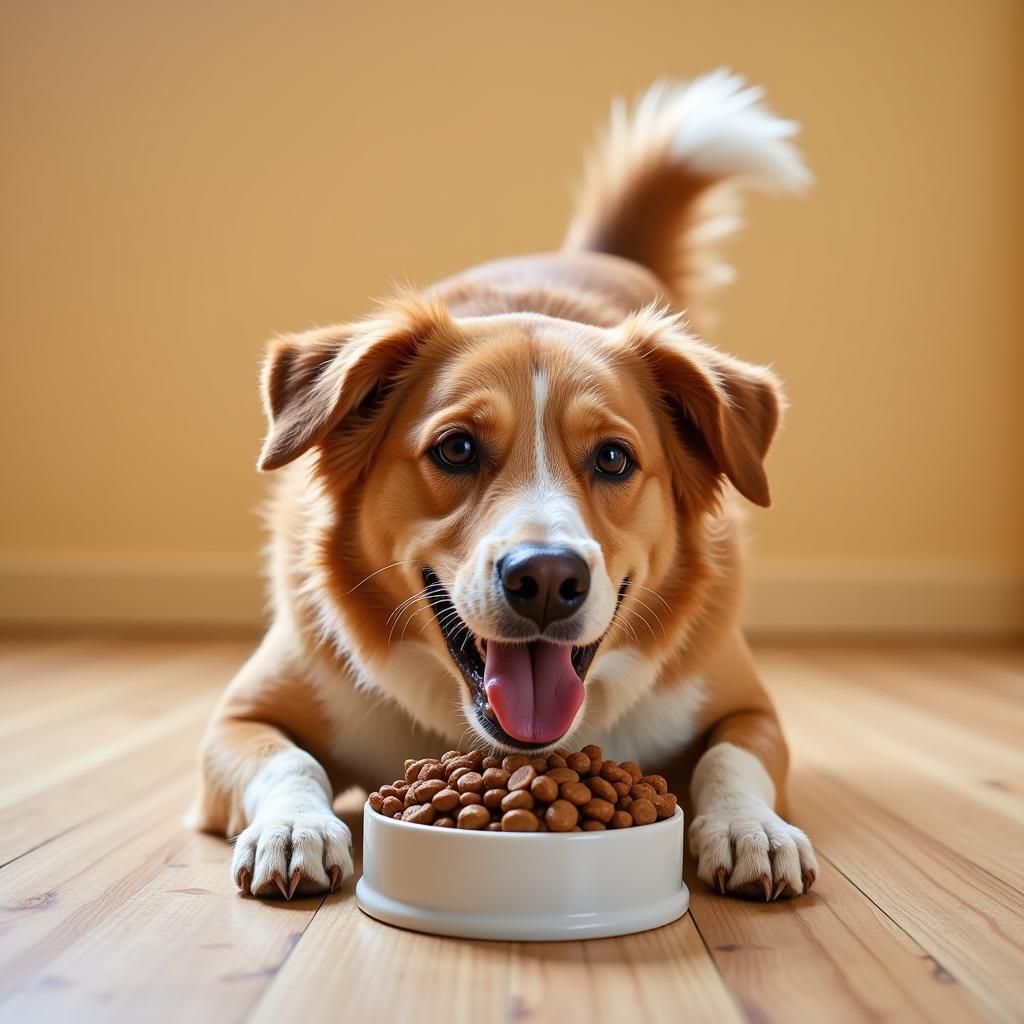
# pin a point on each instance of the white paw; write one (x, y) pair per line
(288, 855)
(742, 846)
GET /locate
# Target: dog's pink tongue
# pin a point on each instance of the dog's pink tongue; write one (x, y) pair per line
(533, 689)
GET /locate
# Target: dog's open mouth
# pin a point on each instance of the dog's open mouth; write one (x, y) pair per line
(524, 694)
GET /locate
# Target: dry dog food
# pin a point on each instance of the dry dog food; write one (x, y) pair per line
(562, 792)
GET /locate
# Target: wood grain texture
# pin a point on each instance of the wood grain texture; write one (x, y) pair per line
(907, 773)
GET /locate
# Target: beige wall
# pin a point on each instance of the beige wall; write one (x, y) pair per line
(181, 180)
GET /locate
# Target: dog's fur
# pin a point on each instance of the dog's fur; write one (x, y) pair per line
(541, 359)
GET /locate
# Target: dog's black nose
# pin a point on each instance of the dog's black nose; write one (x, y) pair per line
(544, 583)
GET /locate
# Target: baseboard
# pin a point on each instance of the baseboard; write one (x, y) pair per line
(210, 593)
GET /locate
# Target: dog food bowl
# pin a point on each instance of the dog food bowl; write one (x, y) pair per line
(522, 886)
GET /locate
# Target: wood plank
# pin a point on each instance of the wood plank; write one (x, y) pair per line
(928, 682)
(921, 788)
(968, 920)
(181, 946)
(829, 955)
(159, 698)
(661, 975)
(979, 768)
(56, 810)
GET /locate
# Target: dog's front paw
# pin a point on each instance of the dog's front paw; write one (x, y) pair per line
(743, 847)
(300, 854)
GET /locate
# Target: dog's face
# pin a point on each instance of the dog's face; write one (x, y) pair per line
(515, 492)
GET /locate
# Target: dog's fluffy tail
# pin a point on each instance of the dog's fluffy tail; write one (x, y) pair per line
(662, 187)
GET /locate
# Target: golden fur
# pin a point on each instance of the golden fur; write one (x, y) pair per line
(541, 358)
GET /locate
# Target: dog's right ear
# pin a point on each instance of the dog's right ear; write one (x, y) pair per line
(312, 382)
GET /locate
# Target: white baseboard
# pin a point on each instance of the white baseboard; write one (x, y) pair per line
(212, 593)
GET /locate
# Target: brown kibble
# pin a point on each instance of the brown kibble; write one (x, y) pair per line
(600, 810)
(522, 777)
(520, 820)
(642, 812)
(566, 791)
(496, 778)
(426, 791)
(658, 782)
(419, 814)
(473, 817)
(561, 816)
(544, 788)
(520, 800)
(603, 789)
(412, 771)
(471, 782)
(577, 793)
(665, 805)
(446, 800)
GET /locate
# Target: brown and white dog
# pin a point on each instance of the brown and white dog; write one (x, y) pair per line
(506, 522)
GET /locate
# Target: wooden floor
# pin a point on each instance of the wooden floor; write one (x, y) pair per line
(908, 775)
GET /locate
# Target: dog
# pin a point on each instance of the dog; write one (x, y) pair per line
(507, 515)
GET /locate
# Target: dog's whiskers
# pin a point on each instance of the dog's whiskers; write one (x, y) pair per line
(657, 617)
(654, 592)
(404, 561)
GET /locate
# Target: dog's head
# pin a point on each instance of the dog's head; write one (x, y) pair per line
(515, 492)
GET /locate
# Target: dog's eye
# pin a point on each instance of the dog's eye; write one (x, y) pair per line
(456, 451)
(612, 460)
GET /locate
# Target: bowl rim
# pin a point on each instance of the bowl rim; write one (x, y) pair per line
(664, 823)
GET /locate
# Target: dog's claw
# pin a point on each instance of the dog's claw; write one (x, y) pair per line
(294, 884)
(779, 886)
(809, 879)
(335, 876)
(279, 882)
(244, 881)
(766, 882)
(720, 880)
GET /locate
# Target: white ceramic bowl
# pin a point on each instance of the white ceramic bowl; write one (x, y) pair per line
(522, 886)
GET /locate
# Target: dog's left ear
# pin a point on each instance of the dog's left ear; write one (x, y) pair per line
(734, 406)
(313, 382)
